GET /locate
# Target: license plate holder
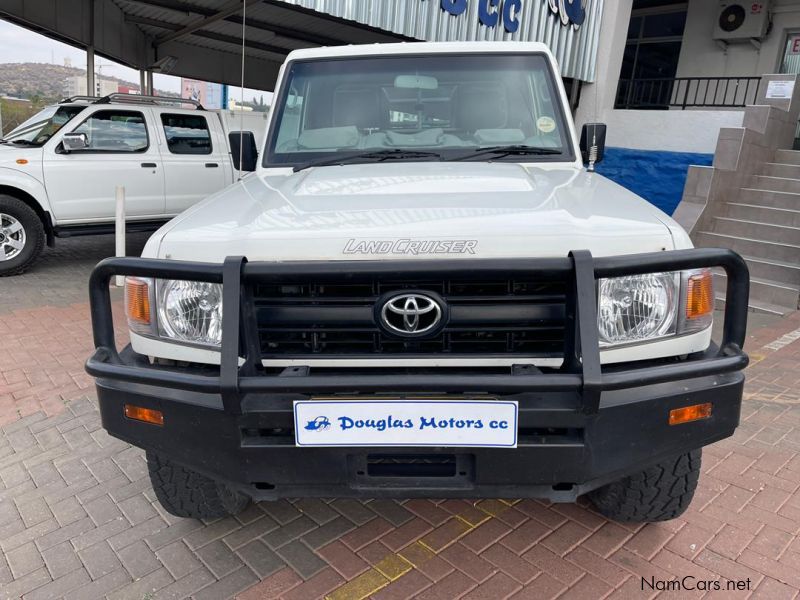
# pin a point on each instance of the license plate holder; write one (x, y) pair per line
(406, 422)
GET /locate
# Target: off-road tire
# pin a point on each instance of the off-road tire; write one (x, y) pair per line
(186, 493)
(34, 235)
(659, 493)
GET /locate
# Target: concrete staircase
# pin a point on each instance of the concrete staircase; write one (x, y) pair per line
(761, 221)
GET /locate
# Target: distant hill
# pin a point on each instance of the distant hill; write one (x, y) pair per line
(45, 81)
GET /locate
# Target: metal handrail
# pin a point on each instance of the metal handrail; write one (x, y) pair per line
(687, 92)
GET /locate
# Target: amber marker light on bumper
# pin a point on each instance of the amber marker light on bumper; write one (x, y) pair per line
(687, 414)
(146, 415)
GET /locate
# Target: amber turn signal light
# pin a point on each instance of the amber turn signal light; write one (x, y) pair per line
(146, 415)
(687, 414)
(137, 300)
(700, 295)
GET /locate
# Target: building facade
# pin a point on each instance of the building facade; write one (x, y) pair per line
(670, 74)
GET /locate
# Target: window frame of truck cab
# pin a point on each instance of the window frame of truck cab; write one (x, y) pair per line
(164, 126)
(90, 150)
(567, 148)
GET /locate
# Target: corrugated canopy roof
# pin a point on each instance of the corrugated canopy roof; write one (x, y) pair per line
(205, 36)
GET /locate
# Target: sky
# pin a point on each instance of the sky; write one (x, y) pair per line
(21, 45)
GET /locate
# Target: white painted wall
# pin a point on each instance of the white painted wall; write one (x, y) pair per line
(702, 57)
(669, 130)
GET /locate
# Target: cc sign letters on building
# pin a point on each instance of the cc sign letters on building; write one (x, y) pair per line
(492, 12)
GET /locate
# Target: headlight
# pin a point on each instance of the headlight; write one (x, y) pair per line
(641, 308)
(190, 311)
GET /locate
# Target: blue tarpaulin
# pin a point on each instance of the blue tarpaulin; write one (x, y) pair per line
(657, 176)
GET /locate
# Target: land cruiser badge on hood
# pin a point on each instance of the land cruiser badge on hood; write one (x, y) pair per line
(410, 247)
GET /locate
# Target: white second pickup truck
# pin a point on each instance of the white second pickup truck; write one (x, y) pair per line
(59, 169)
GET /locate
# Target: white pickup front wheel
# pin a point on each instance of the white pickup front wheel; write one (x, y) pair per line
(12, 237)
(21, 235)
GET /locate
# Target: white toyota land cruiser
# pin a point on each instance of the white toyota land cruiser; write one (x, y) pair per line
(422, 292)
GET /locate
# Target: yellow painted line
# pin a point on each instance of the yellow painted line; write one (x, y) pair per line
(459, 528)
(493, 507)
(417, 553)
(394, 566)
(473, 517)
(361, 587)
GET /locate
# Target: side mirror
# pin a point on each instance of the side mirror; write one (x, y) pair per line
(74, 141)
(593, 143)
(243, 143)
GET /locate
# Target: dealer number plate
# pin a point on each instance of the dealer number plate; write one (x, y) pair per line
(406, 422)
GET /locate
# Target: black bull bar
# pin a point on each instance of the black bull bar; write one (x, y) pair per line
(581, 371)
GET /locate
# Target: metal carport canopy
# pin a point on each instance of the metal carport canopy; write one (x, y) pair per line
(204, 36)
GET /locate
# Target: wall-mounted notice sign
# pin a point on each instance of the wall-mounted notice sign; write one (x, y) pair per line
(780, 90)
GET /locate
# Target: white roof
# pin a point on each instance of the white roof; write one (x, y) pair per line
(417, 48)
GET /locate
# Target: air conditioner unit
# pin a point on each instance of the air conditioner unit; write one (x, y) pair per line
(741, 20)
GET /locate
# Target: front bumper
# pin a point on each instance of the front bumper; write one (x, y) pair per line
(579, 426)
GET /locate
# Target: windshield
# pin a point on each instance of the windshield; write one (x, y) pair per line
(43, 125)
(432, 107)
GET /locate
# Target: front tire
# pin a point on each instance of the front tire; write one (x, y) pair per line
(659, 493)
(186, 493)
(22, 236)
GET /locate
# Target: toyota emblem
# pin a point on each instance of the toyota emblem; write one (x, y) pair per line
(411, 314)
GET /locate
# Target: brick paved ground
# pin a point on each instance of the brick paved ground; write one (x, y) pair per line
(78, 518)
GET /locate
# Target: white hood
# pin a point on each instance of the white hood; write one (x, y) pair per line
(451, 210)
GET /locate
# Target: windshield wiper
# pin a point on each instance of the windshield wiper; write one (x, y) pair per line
(373, 155)
(518, 149)
(19, 142)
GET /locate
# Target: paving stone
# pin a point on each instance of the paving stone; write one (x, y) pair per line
(251, 531)
(100, 560)
(61, 559)
(100, 587)
(356, 511)
(280, 510)
(137, 509)
(135, 533)
(259, 557)
(392, 511)
(26, 535)
(33, 511)
(227, 587)
(219, 559)
(63, 534)
(138, 560)
(146, 587)
(273, 586)
(291, 531)
(332, 530)
(102, 510)
(186, 586)
(98, 534)
(68, 511)
(22, 585)
(205, 535)
(177, 558)
(58, 587)
(24, 559)
(316, 509)
(302, 559)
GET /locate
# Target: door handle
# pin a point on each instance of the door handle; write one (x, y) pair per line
(211, 165)
(149, 165)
